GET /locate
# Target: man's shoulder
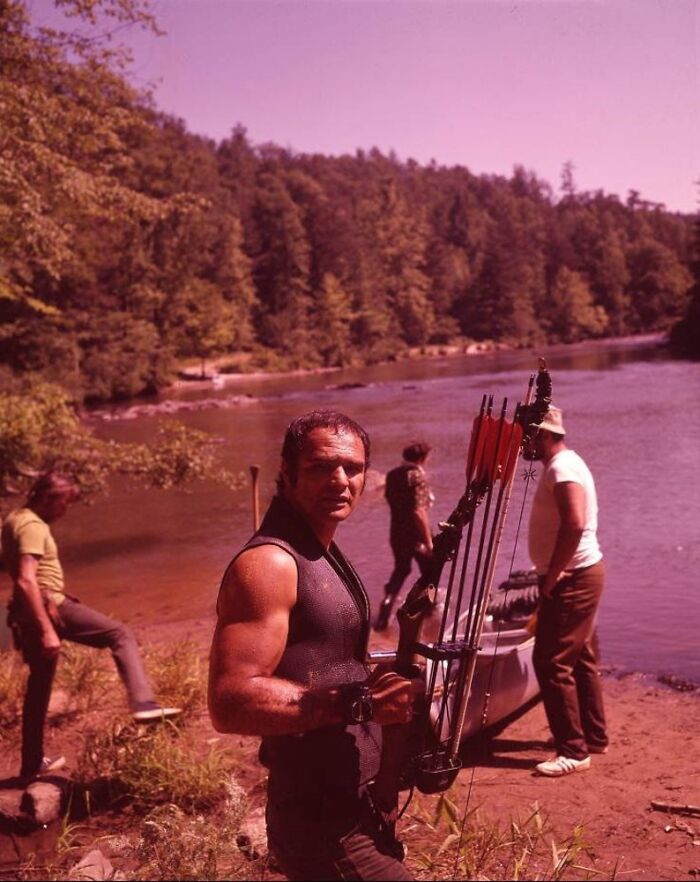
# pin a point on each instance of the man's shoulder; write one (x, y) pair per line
(261, 577)
(21, 518)
(567, 465)
(269, 551)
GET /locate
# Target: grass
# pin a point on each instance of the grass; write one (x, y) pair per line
(13, 679)
(147, 767)
(85, 677)
(469, 847)
(177, 675)
(174, 845)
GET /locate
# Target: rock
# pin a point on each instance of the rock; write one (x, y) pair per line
(94, 867)
(43, 800)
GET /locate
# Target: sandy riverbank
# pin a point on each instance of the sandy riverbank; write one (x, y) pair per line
(653, 757)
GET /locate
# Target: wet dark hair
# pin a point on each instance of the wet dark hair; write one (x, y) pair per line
(302, 426)
(52, 484)
(417, 451)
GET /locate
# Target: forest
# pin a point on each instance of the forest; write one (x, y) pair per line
(130, 245)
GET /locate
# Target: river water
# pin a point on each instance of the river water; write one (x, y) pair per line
(631, 411)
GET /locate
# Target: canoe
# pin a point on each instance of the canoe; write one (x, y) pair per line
(504, 669)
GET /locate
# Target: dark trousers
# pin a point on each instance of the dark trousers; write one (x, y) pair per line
(333, 835)
(404, 554)
(565, 660)
(79, 624)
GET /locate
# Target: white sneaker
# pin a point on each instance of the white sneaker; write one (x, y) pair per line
(51, 764)
(156, 714)
(562, 765)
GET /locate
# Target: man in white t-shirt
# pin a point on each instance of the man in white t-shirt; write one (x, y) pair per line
(564, 550)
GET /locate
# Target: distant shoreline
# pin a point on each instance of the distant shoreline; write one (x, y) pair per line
(167, 401)
(470, 350)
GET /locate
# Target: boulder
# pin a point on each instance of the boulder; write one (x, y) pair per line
(44, 800)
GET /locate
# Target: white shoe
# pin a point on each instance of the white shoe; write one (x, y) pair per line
(156, 714)
(562, 765)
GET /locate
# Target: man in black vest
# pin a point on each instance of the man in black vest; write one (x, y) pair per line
(409, 499)
(288, 663)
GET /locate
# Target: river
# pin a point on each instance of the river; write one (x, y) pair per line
(630, 410)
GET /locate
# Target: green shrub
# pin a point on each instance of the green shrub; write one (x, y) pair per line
(174, 845)
(475, 848)
(85, 676)
(155, 765)
(177, 674)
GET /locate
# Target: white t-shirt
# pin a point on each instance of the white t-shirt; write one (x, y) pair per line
(544, 517)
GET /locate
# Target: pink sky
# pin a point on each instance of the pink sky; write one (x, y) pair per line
(611, 85)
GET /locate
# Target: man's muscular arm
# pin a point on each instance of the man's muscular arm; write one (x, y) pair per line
(257, 596)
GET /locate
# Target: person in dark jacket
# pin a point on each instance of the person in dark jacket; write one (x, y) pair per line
(410, 537)
(288, 663)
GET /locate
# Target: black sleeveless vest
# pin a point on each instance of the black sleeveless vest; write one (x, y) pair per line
(326, 646)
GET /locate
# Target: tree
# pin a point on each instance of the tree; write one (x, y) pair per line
(62, 145)
(333, 322)
(122, 356)
(232, 274)
(41, 430)
(659, 286)
(281, 269)
(573, 313)
(202, 322)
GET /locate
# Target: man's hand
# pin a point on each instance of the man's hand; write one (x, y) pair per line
(52, 611)
(392, 696)
(50, 643)
(548, 583)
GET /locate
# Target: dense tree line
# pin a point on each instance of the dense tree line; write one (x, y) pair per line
(129, 243)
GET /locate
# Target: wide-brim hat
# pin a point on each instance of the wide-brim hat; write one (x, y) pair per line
(553, 421)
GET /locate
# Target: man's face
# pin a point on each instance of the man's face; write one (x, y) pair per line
(55, 505)
(330, 476)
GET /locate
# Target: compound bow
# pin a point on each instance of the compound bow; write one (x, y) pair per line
(426, 753)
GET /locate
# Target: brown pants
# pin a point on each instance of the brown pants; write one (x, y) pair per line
(330, 836)
(565, 661)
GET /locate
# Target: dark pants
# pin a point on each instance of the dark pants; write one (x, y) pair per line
(334, 835)
(565, 662)
(79, 624)
(404, 555)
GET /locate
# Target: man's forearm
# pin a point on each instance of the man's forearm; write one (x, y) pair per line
(272, 706)
(567, 542)
(34, 604)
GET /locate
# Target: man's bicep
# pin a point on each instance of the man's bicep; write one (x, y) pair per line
(28, 566)
(257, 595)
